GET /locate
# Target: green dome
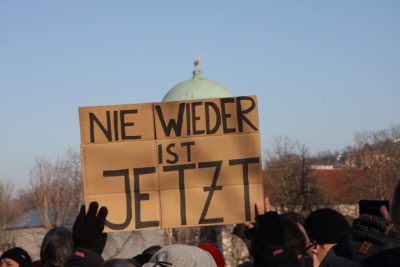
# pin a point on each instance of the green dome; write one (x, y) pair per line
(196, 88)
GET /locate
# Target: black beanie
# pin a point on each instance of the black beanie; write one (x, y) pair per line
(326, 226)
(19, 255)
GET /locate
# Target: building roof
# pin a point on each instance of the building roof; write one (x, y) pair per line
(196, 88)
(339, 184)
(29, 219)
(33, 219)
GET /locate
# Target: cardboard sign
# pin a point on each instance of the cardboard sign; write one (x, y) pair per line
(173, 164)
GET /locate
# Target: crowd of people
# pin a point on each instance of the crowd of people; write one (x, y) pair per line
(324, 238)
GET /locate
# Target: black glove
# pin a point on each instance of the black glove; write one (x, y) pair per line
(88, 228)
(268, 230)
(268, 240)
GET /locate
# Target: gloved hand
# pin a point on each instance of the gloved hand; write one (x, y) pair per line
(88, 228)
(269, 229)
(267, 235)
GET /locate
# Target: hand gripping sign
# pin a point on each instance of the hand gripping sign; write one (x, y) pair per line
(172, 164)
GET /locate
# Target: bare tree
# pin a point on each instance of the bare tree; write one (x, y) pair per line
(377, 155)
(6, 199)
(55, 189)
(68, 188)
(8, 213)
(289, 180)
(41, 179)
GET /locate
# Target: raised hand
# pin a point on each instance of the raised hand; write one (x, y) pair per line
(88, 228)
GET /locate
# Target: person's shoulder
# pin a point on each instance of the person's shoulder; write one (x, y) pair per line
(332, 259)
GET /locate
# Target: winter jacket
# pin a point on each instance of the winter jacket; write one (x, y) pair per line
(83, 257)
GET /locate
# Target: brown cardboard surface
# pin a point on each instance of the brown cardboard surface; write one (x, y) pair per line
(143, 182)
(118, 210)
(137, 123)
(113, 157)
(205, 154)
(228, 204)
(191, 116)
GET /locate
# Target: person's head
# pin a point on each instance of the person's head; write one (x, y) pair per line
(118, 263)
(15, 257)
(56, 247)
(215, 253)
(325, 227)
(395, 205)
(182, 256)
(294, 238)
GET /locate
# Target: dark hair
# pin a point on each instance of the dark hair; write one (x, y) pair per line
(294, 238)
(395, 205)
(56, 247)
(145, 256)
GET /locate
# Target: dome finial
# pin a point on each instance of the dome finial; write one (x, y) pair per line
(197, 62)
(197, 71)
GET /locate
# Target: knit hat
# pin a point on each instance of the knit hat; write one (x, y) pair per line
(19, 255)
(326, 226)
(181, 256)
(215, 253)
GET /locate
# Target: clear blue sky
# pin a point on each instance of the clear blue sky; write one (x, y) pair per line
(322, 70)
